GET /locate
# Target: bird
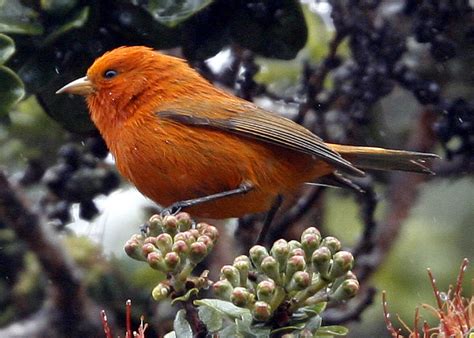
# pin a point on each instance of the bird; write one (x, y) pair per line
(189, 145)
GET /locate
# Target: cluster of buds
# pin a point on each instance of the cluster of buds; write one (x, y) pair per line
(174, 246)
(291, 276)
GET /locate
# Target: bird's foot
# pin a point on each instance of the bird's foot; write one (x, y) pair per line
(144, 229)
(171, 210)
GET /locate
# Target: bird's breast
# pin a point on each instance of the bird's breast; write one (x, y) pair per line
(169, 162)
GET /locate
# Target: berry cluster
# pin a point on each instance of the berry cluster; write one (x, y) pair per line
(78, 176)
(455, 128)
(431, 22)
(292, 276)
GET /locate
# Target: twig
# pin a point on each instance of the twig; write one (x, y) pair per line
(295, 213)
(199, 329)
(366, 243)
(353, 311)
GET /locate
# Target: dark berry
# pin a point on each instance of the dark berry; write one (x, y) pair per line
(427, 92)
(33, 173)
(97, 147)
(87, 210)
(442, 49)
(61, 212)
(56, 177)
(110, 182)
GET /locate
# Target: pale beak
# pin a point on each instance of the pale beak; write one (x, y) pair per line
(81, 86)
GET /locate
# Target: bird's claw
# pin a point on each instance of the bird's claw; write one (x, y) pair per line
(172, 210)
(144, 229)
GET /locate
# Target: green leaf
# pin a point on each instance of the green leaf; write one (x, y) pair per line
(332, 330)
(278, 32)
(185, 297)
(314, 309)
(77, 22)
(7, 48)
(171, 13)
(297, 327)
(230, 331)
(223, 307)
(313, 324)
(58, 7)
(18, 19)
(210, 317)
(181, 326)
(12, 89)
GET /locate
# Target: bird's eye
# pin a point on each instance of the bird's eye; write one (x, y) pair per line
(110, 73)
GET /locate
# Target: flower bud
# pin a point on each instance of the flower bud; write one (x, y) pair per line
(270, 267)
(342, 262)
(280, 251)
(150, 240)
(321, 259)
(297, 252)
(243, 266)
(185, 236)
(257, 254)
(194, 233)
(156, 261)
(262, 311)
(155, 225)
(206, 240)
(294, 245)
(241, 297)
(181, 248)
(147, 248)
(231, 273)
(310, 231)
(133, 249)
(170, 224)
(161, 291)
(332, 243)
(198, 251)
(346, 290)
(295, 263)
(164, 242)
(241, 258)
(310, 242)
(172, 261)
(222, 289)
(211, 231)
(300, 280)
(184, 221)
(265, 290)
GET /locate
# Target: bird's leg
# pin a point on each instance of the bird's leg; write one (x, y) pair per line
(174, 208)
(268, 219)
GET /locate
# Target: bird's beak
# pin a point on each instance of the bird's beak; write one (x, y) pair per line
(81, 86)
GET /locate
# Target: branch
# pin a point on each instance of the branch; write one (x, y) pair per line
(68, 308)
(402, 195)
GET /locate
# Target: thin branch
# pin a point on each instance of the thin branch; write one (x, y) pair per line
(354, 310)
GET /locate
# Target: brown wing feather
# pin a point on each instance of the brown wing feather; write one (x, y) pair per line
(248, 120)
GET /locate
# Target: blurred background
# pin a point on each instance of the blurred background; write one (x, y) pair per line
(386, 73)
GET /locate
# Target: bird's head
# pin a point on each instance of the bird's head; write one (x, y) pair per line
(127, 81)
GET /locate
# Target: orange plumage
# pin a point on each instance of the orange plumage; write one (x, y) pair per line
(177, 137)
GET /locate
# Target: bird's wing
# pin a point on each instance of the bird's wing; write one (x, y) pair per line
(246, 119)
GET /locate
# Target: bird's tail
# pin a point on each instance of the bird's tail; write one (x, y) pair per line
(385, 159)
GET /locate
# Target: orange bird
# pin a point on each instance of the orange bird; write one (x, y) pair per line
(187, 144)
